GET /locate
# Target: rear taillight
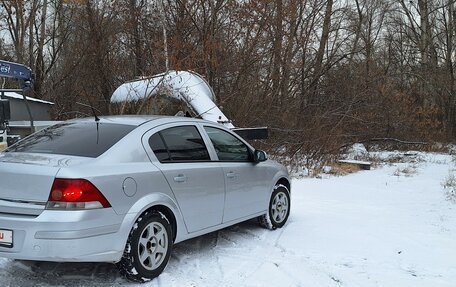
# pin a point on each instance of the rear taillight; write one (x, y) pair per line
(75, 194)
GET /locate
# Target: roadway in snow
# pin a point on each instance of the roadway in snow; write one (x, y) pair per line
(390, 226)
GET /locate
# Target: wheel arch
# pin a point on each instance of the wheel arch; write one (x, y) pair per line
(284, 181)
(162, 203)
(168, 213)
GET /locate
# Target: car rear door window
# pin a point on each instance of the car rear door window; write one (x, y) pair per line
(227, 146)
(159, 148)
(183, 143)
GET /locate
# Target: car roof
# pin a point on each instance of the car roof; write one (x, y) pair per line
(136, 120)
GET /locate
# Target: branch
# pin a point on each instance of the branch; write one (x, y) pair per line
(395, 140)
(385, 140)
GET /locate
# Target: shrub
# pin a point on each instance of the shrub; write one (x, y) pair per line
(450, 186)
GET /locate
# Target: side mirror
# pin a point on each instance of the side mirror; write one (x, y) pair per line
(259, 156)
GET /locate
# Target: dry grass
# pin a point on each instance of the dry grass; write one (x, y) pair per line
(405, 171)
(450, 186)
(344, 168)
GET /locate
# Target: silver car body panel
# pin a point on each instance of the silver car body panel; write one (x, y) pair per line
(133, 181)
(197, 186)
(246, 189)
(197, 189)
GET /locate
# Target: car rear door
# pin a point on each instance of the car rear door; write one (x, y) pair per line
(197, 182)
(246, 183)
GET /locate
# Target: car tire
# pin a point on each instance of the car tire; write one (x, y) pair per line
(148, 248)
(278, 210)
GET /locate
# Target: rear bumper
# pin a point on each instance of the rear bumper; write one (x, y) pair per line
(67, 236)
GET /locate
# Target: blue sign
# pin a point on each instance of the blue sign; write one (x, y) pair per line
(18, 72)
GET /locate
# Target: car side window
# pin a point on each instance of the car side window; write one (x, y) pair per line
(227, 146)
(182, 143)
(159, 148)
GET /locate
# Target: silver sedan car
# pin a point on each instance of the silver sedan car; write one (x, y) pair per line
(125, 189)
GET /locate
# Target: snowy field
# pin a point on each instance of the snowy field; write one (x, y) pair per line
(390, 226)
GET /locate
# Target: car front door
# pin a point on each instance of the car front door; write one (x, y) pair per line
(197, 183)
(246, 183)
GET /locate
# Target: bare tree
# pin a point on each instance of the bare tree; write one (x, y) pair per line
(321, 74)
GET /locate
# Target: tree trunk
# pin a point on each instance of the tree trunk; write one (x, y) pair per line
(31, 35)
(425, 36)
(318, 67)
(277, 49)
(136, 52)
(449, 63)
(357, 31)
(39, 66)
(211, 43)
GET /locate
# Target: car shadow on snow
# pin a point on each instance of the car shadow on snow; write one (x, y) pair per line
(38, 273)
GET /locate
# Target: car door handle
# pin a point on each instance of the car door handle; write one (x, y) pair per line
(231, 175)
(180, 178)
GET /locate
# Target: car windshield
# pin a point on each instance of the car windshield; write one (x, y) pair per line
(87, 139)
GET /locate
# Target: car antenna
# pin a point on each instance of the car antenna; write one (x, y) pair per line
(97, 119)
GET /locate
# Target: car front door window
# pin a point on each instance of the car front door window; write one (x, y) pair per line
(227, 146)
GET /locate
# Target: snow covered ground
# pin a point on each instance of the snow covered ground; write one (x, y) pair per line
(390, 226)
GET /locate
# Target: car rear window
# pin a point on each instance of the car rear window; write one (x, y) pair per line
(87, 139)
